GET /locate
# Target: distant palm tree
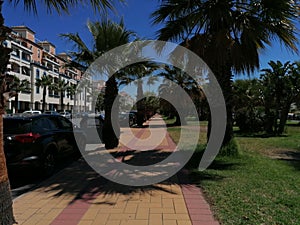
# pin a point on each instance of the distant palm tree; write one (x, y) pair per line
(228, 34)
(106, 36)
(135, 73)
(71, 90)
(45, 82)
(280, 88)
(174, 78)
(61, 86)
(19, 86)
(6, 212)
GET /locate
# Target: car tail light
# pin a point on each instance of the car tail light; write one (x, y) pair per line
(26, 138)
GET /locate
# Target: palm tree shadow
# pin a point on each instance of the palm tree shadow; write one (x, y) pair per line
(83, 183)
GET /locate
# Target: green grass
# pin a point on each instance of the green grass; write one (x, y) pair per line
(253, 188)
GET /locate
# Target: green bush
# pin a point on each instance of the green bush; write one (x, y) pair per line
(231, 149)
(250, 119)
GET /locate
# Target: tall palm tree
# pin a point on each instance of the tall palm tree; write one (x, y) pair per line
(228, 34)
(106, 36)
(6, 212)
(45, 82)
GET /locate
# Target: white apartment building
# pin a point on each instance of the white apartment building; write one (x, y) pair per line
(30, 60)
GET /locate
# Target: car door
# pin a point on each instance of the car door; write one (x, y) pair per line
(66, 128)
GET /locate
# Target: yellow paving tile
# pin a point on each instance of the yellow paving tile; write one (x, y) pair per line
(155, 219)
(44, 222)
(111, 211)
(184, 222)
(90, 214)
(142, 213)
(128, 216)
(86, 222)
(169, 222)
(162, 210)
(134, 222)
(167, 203)
(170, 216)
(113, 222)
(100, 219)
(131, 208)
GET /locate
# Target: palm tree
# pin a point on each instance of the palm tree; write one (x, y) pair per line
(71, 90)
(6, 212)
(135, 73)
(179, 79)
(280, 87)
(19, 86)
(106, 36)
(61, 86)
(44, 82)
(228, 35)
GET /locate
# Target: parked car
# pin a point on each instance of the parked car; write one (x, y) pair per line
(51, 112)
(40, 140)
(127, 119)
(66, 115)
(92, 125)
(32, 112)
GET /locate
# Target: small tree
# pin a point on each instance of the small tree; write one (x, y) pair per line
(281, 87)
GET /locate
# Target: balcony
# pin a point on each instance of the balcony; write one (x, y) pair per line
(48, 60)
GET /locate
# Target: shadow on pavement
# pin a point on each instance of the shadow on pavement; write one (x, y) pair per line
(81, 182)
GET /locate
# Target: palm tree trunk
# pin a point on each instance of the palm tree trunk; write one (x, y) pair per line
(61, 101)
(17, 103)
(140, 103)
(111, 136)
(283, 117)
(6, 210)
(44, 99)
(224, 77)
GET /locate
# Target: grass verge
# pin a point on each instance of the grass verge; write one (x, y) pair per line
(253, 188)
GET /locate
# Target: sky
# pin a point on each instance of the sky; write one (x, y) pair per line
(136, 15)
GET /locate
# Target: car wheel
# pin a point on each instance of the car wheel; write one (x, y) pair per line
(49, 163)
(131, 122)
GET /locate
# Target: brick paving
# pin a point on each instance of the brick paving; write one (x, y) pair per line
(78, 195)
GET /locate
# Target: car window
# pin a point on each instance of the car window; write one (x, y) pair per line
(16, 126)
(54, 121)
(42, 125)
(65, 123)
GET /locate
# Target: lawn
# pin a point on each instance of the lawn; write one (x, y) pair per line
(260, 186)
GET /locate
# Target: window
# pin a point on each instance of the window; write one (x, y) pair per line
(39, 53)
(66, 124)
(41, 125)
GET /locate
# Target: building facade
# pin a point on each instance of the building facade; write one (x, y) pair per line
(31, 60)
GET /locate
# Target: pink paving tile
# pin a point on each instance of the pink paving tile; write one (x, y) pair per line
(201, 217)
(205, 223)
(200, 211)
(198, 208)
(65, 222)
(73, 213)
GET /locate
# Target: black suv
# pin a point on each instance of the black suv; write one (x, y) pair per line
(40, 140)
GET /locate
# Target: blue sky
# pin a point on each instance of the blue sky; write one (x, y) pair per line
(136, 15)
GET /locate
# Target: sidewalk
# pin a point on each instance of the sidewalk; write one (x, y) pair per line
(78, 195)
